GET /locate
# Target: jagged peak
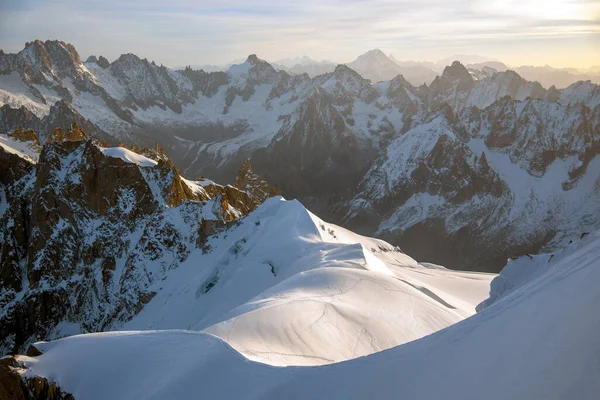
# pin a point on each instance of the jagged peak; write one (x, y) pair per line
(510, 73)
(399, 80)
(253, 59)
(375, 52)
(373, 55)
(103, 62)
(49, 51)
(457, 71)
(344, 70)
(254, 184)
(25, 135)
(128, 57)
(73, 134)
(60, 106)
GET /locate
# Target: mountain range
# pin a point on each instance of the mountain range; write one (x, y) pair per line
(445, 170)
(127, 272)
(235, 292)
(376, 66)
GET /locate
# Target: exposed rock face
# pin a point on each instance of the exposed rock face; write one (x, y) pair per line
(73, 134)
(25, 135)
(15, 386)
(12, 119)
(253, 184)
(103, 62)
(86, 233)
(61, 118)
(50, 63)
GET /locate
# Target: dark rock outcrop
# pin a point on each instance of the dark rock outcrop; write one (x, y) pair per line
(83, 228)
(15, 386)
(103, 62)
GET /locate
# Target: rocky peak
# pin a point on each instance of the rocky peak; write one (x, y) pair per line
(348, 84)
(286, 83)
(89, 222)
(148, 84)
(53, 55)
(103, 62)
(552, 94)
(245, 77)
(91, 59)
(23, 135)
(403, 95)
(35, 52)
(456, 71)
(253, 59)
(399, 81)
(18, 385)
(372, 61)
(343, 70)
(61, 117)
(373, 56)
(207, 83)
(73, 134)
(261, 71)
(454, 78)
(253, 184)
(12, 118)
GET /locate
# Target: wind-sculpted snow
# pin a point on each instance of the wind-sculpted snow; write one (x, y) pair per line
(288, 288)
(538, 342)
(28, 150)
(129, 156)
(332, 314)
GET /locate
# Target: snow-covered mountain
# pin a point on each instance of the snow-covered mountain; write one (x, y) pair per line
(527, 342)
(317, 138)
(520, 172)
(89, 232)
(184, 287)
(101, 238)
(376, 66)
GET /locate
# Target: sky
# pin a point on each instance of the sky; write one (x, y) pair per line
(559, 33)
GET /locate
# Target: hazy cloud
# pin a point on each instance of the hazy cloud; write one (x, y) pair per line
(563, 32)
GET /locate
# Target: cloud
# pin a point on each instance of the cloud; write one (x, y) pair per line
(189, 32)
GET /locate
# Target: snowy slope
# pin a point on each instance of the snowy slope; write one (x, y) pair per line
(129, 156)
(27, 150)
(287, 288)
(538, 342)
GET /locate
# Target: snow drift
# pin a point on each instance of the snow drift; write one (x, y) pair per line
(538, 342)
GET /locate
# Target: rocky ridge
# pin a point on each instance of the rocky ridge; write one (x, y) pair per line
(87, 230)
